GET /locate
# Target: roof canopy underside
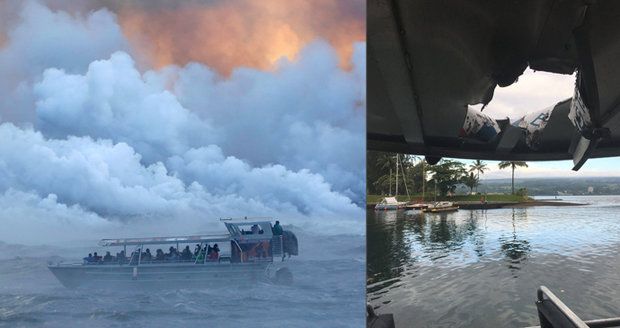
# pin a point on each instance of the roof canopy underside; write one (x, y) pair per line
(429, 60)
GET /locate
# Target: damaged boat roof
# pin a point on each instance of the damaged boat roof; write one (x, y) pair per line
(430, 61)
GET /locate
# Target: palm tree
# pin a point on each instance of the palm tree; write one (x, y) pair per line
(505, 164)
(470, 181)
(479, 167)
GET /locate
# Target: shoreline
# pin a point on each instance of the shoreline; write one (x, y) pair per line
(476, 205)
(493, 205)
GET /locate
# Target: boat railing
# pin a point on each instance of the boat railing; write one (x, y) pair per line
(553, 313)
(200, 250)
(133, 255)
(240, 250)
(277, 247)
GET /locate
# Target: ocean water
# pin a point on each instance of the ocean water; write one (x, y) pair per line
(328, 291)
(475, 268)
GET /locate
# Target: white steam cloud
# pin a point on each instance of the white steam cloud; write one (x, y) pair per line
(40, 38)
(93, 142)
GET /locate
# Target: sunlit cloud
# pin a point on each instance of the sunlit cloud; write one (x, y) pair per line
(229, 34)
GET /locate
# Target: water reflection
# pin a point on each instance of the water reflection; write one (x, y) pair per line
(397, 240)
(400, 240)
(516, 250)
(390, 248)
(482, 268)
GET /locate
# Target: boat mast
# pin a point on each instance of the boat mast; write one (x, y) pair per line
(396, 176)
(423, 179)
(390, 182)
(404, 178)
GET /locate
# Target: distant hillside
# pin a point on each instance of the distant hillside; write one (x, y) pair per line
(555, 186)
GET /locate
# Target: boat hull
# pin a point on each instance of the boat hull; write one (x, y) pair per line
(440, 210)
(416, 206)
(186, 275)
(383, 207)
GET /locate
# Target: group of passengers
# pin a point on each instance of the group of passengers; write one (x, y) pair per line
(207, 253)
(200, 254)
(107, 258)
(160, 256)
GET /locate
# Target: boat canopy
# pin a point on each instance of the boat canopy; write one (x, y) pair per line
(391, 200)
(165, 240)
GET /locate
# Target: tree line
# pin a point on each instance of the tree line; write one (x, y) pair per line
(389, 172)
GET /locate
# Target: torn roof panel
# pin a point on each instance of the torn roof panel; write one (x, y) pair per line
(455, 53)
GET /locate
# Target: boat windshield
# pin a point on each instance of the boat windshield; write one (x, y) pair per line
(260, 229)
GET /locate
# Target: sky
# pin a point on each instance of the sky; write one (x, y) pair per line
(146, 117)
(532, 92)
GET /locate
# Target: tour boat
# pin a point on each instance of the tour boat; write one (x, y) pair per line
(250, 251)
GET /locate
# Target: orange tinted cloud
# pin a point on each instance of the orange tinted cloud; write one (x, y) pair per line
(8, 15)
(228, 34)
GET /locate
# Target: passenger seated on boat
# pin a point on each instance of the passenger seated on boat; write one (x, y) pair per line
(135, 256)
(255, 229)
(186, 255)
(201, 255)
(159, 255)
(147, 256)
(197, 250)
(89, 258)
(215, 253)
(96, 258)
(277, 229)
(172, 255)
(108, 257)
(121, 257)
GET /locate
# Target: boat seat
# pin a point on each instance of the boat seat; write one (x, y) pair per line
(553, 313)
(374, 320)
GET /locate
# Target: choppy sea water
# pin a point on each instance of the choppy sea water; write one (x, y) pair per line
(328, 291)
(476, 268)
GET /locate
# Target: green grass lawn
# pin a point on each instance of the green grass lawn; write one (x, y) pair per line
(373, 199)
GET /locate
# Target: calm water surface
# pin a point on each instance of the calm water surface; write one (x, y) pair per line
(475, 268)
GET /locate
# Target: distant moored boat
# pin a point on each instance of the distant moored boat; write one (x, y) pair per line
(390, 203)
(441, 207)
